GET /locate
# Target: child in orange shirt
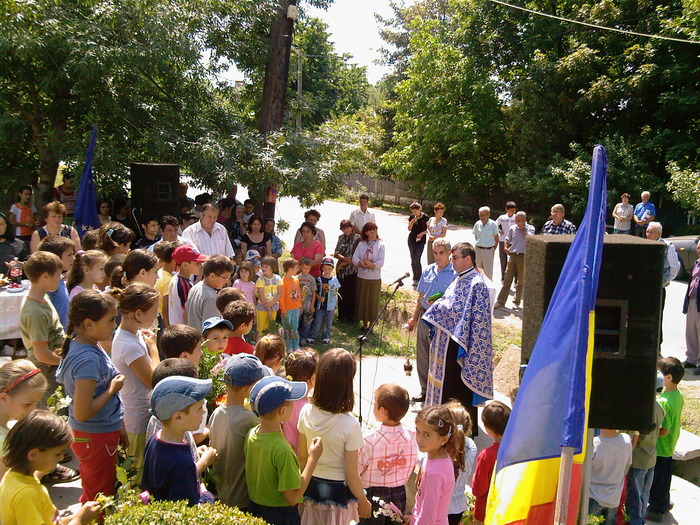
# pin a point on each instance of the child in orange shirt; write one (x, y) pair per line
(290, 304)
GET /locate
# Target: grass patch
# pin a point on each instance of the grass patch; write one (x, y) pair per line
(505, 334)
(690, 417)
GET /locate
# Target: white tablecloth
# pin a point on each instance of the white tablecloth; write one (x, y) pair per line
(10, 304)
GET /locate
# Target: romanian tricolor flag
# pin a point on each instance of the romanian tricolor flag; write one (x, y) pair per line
(551, 407)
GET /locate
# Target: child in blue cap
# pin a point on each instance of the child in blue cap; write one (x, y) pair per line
(169, 471)
(275, 483)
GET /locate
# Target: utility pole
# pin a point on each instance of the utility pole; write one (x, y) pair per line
(300, 65)
(275, 91)
(277, 74)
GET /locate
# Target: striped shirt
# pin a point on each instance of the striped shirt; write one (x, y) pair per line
(388, 456)
(216, 243)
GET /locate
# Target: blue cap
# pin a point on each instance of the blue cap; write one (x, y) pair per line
(244, 370)
(328, 261)
(252, 254)
(213, 322)
(270, 392)
(176, 393)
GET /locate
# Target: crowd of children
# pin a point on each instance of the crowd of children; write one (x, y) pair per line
(122, 331)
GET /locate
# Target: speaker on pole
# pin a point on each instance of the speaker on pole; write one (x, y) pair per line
(627, 322)
(154, 188)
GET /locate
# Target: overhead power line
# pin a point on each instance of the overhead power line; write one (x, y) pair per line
(596, 26)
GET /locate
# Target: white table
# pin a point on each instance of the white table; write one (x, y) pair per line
(10, 304)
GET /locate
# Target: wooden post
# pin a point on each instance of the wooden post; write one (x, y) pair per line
(564, 485)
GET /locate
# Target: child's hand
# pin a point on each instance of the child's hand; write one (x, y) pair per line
(116, 384)
(315, 449)
(364, 508)
(123, 438)
(209, 456)
(149, 337)
(87, 513)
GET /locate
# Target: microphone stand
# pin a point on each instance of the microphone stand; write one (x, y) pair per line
(362, 339)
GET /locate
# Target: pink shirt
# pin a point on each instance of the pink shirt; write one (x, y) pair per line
(388, 456)
(248, 289)
(434, 493)
(316, 247)
(289, 428)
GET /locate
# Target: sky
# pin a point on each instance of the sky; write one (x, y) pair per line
(354, 31)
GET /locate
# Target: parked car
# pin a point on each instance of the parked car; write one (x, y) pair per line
(686, 248)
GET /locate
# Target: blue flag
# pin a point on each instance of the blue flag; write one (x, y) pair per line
(86, 203)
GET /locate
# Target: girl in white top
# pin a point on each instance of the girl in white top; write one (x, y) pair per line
(135, 354)
(335, 492)
(437, 228)
(87, 270)
(622, 213)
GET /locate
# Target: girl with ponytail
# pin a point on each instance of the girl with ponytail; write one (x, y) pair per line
(87, 271)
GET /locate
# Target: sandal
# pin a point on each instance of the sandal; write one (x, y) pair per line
(61, 474)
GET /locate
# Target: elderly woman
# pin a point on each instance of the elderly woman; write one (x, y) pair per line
(622, 213)
(54, 213)
(437, 228)
(313, 217)
(309, 247)
(346, 271)
(256, 238)
(369, 258)
(275, 241)
(10, 247)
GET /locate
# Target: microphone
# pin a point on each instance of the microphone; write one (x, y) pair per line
(400, 279)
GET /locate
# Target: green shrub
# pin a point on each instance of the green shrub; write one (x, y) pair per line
(169, 513)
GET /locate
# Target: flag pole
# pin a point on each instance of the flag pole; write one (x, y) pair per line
(586, 480)
(561, 509)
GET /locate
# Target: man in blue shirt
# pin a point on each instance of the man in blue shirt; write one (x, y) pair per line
(434, 279)
(644, 213)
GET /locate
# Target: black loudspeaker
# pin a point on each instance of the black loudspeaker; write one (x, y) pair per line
(154, 188)
(627, 322)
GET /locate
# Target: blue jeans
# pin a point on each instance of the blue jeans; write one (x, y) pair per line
(415, 249)
(276, 515)
(638, 487)
(291, 329)
(306, 320)
(325, 317)
(597, 509)
(625, 232)
(660, 492)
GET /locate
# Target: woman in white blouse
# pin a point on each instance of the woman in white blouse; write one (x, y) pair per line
(437, 228)
(622, 213)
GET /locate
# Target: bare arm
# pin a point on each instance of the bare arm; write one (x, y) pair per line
(44, 354)
(85, 405)
(352, 478)
(34, 242)
(416, 314)
(292, 497)
(76, 239)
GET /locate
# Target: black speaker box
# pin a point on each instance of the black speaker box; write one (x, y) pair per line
(627, 322)
(154, 188)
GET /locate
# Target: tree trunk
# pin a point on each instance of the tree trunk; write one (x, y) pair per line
(275, 90)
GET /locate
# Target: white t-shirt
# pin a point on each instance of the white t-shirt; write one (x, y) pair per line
(176, 311)
(339, 432)
(611, 459)
(127, 348)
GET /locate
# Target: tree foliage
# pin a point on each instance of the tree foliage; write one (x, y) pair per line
(543, 92)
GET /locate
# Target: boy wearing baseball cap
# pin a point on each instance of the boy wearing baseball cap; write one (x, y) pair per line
(229, 426)
(188, 262)
(169, 470)
(327, 299)
(275, 484)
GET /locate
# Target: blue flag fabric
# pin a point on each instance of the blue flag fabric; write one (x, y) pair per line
(550, 409)
(85, 215)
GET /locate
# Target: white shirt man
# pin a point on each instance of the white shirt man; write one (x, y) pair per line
(209, 236)
(361, 215)
(486, 234)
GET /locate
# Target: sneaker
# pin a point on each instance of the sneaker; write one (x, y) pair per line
(688, 364)
(517, 305)
(326, 341)
(310, 342)
(696, 372)
(61, 474)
